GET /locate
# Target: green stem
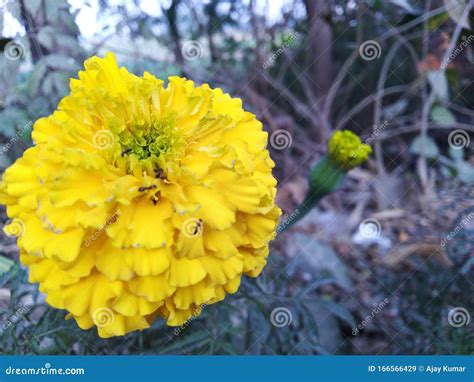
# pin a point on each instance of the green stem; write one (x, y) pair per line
(325, 178)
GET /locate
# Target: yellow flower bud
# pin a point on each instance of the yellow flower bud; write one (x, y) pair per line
(347, 150)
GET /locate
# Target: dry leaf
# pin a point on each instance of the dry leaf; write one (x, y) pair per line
(423, 250)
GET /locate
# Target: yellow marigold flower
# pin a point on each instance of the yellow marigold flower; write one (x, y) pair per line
(141, 199)
(346, 149)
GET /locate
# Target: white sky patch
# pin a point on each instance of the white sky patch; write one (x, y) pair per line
(11, 26)
(153, 8)
(93, 25)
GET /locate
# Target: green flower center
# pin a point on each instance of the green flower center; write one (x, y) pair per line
(346, 150)
(151, 146)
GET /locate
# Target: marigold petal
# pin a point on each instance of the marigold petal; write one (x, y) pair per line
(185, 272)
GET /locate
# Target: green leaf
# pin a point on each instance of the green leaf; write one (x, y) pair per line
(69, 42)
(430, 150)
(53, 9)
(33, 6)
(46, 37)
(48, 84)
(7, 129)
(190, 341)
(435, 22)
(321, 259)
(340, 311)
(40, 107)
(439, 83)
(5, 265)
(68, 20)
(457, 154)
(323, 281)
(465, 172)
(5, 161)
(61, 62)
(11, 119)
(34, 82)
(442, 115)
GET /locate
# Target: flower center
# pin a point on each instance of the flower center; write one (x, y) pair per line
(148, 147)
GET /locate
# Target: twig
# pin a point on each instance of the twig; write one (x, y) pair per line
(427, 106)
(338, 81)
(380, 89)
(297, 104)
(369, 99)
(416, 127)
(413, 23)
(341, 75)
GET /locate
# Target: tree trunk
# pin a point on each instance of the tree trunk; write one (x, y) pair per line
(170, 14)
(31, 28)
(319, 55)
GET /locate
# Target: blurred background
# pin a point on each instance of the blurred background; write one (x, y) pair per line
(382, 266)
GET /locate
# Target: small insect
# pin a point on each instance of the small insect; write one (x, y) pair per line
(126, 152)
(159, 173)
(198, 227)
(143, 188)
